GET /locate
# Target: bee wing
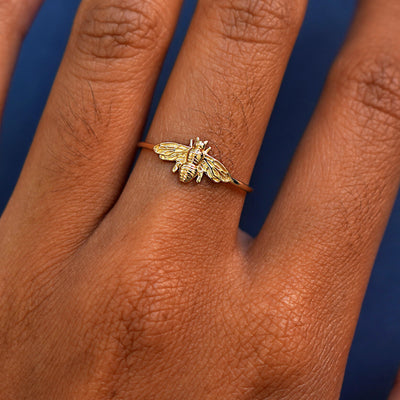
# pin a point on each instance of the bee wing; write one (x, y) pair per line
(171, 151)
(215, 170)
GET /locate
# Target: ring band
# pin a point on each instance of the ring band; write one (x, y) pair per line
(193, 162)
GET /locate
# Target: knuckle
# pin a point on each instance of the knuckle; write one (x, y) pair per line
(285, 318)
(370, 86)
(111, 29)
(257, 21)
(144, 315)
(298, 334)
(273, 343)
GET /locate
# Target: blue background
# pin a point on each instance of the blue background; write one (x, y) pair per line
(375, 353)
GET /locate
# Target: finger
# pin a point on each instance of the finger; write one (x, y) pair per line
(222, 89)
(85, 142)
(15, 19)
(395, 393)
(323, 232)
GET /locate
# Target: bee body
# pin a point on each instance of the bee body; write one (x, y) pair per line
(189, 169)
(193, 161)
(195, 156)
(187, 172)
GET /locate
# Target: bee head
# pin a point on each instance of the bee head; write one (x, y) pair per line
(199, 144)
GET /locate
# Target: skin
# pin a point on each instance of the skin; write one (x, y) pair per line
(135, 286)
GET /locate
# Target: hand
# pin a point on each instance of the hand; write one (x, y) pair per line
(142, 287)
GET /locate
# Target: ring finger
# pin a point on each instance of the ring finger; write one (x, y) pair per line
(222, 89)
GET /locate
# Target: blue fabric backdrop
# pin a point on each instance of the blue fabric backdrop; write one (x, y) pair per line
(375, 353)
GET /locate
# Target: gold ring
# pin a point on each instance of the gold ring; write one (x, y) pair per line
(193, 161)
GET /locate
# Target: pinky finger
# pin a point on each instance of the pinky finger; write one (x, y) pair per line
(15, 19)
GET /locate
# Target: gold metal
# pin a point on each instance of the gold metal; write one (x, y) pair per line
(193, 161)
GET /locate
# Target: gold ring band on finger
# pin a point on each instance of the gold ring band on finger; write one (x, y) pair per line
(193, 162)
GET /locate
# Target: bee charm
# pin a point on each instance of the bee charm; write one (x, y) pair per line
(193, 161)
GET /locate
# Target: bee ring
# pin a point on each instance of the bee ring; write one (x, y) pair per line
(193, 162)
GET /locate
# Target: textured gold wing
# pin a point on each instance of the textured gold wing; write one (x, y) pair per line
(215, 170)
(171, 151)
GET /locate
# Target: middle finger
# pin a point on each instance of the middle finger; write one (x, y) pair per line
(222, 89)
